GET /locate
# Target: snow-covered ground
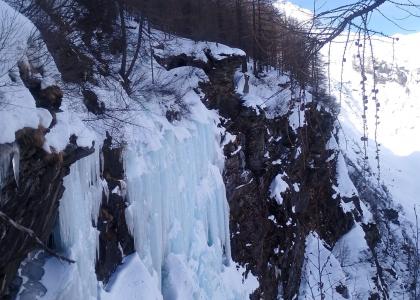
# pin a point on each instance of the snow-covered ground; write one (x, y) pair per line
(15, 99)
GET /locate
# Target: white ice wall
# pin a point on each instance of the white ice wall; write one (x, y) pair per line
(79, 239)
(179, 214)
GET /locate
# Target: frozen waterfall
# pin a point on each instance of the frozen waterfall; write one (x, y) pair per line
(178, 215)
(77, 238)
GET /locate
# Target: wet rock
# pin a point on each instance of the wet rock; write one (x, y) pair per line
(343, 291)
(391, 215)
(14, 287)
(173, 115)
(372, 235)
(178, 61)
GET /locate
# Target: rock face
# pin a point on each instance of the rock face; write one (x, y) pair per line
(115, 241)
(48, 97)
(31, 200)
(268, 237)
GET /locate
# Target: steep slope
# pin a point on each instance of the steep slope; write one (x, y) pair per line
(31, 175)
(389, 156)
(396, 73)
(152, 190)
(203, 181)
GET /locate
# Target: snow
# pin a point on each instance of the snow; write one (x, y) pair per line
(265, 93)
(290, 10)
(399, 157)
(17, 106)
(47, 82)
(132, 281)
(17, 29)
(178, 212)
(18, 110)
(321, 273)
(399, 114)
(277, 187)
(178, 46)
(351, 252)
(345, 186)
(58, 279)
(68, 123)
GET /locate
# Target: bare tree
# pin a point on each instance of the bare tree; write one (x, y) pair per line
(126, 68)
(9, 32)
(355, 15)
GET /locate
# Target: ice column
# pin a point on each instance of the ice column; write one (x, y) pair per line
(178, 202)
(9, 154)
(78, 211)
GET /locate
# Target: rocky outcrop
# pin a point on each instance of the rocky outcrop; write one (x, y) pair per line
(92, 102)
(32, 198)
(115, 241)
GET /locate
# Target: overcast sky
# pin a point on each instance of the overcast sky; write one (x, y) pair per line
(378, 22)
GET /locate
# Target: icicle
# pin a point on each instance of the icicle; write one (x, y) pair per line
(9, 153)
(15, 163)
(79, 209)
(105, 188)
(178, 207)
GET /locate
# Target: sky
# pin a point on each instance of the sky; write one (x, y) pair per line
(378, 22)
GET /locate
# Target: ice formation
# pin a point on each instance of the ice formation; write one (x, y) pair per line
(179, 214)
(78, 210)
(9, 154)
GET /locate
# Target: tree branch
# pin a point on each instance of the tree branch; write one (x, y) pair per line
(5, 218)
(349, 19)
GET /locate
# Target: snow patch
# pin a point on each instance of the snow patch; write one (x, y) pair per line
(277, 187)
